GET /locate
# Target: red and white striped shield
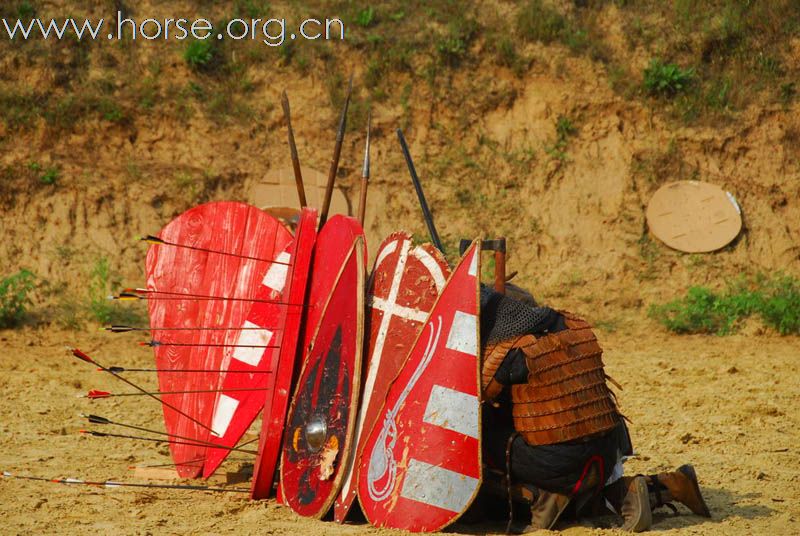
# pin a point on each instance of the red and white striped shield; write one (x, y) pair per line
(403, 287)
(420, 466)
(201, 286)
(277, 400)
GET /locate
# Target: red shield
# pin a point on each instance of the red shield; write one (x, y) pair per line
(420, 466)
(220, 236)
(277, 400)
(321, 421)
(403, 287)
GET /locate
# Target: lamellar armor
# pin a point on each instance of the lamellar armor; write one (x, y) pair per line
(566, 397)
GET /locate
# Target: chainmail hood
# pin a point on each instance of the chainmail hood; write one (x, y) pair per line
(503, 317)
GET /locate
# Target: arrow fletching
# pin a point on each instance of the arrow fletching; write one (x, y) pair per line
(82, 356)
(96, 419)
(152, 239)
(95, 394)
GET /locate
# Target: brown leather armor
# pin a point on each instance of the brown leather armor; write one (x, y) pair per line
(566, 397)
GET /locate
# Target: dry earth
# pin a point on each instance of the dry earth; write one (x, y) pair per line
(727, 405)
(483, 140)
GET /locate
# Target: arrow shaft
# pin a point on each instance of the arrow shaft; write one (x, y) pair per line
(171, 441)
(113, 484)
(159, 242)
(143, 391)
(176, 296)
(125, 329)
(114, 395)
(116, 370)
(159, 343)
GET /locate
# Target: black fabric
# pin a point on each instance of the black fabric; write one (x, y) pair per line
(555, 468)
(503, 317)
(513, 369)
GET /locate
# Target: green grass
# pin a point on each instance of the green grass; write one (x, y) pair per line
(201, 54)
(666, 79)
(15, 292)
(776, 300)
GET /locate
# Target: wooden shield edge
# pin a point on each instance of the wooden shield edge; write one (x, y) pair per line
(257, 485)
(356, 249)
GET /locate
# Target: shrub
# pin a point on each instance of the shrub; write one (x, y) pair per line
(781, 307)
(14, 297)
(666, 79)
(776, 300)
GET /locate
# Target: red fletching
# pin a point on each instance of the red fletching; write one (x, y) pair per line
(94, 393)
(82, 356)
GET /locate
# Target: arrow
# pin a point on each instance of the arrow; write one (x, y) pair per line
(426, 212)
(96, 394)
(159, 242)
(127, 329)
(117, 370)
(362, 205)
(136, 294)
(85, 357)
(337, 151)
(114, 484)
(159, 343)
(298, 176)
(156, 440)
(96, 419)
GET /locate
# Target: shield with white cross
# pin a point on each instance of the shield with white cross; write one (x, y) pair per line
(420, 464)
(406, 281)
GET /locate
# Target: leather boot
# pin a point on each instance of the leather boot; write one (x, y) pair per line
(637, 515)
(629, 497)
(546, 510)
(680, 485)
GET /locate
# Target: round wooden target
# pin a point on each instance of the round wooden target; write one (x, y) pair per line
(694, 216)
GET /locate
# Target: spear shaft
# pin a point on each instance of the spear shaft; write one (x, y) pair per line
(362, 205)
(298, 175)
(426, 212)
(337, 151)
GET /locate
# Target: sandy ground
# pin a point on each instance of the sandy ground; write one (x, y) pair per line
(728, 405)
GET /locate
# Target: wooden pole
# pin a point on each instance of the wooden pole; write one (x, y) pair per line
(298, 175)
(337, 151)
(362, 205)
